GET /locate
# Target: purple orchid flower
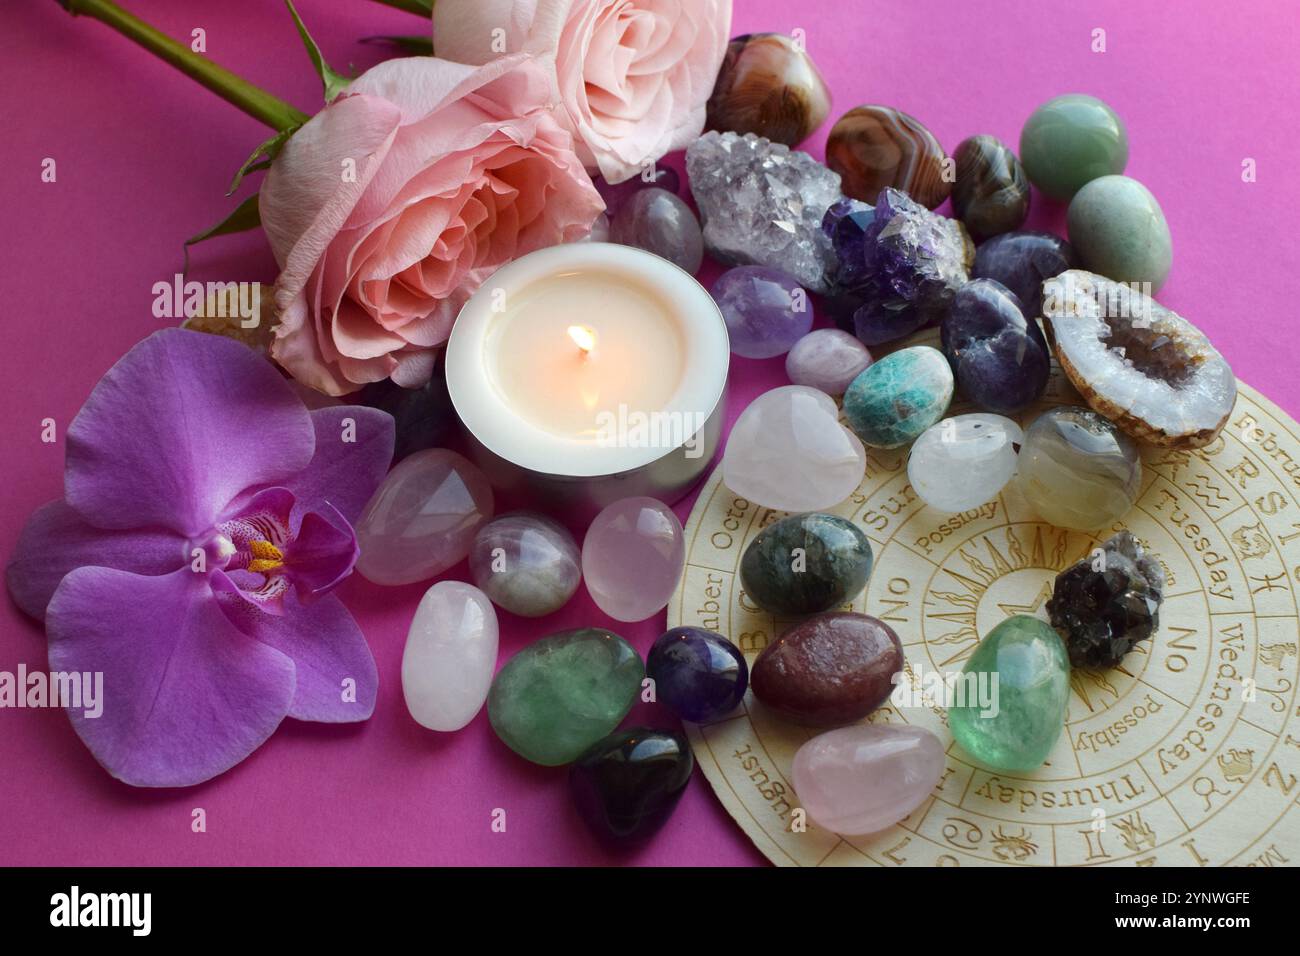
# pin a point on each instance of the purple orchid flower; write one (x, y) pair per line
(206, 515)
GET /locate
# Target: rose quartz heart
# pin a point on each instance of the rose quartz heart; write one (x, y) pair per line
(865, 778)
(789, 451)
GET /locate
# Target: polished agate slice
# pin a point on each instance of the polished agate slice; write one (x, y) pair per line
(1147, 369)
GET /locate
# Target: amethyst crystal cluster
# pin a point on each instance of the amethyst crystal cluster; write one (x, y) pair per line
(897, 265)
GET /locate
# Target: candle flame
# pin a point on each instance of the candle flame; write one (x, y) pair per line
(583, 337)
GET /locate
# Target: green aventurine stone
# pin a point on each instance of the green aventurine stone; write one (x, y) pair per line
(558, 696)
(1070, 141)
(1032, 690)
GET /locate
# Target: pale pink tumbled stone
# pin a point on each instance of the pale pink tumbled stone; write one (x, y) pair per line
(422, 519)
(788, 451)
(450, 656)
(632, 558)
(866, 778)
(826, 359)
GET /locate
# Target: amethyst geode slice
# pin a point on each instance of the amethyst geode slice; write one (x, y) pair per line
(897, 266)
(1107, 602)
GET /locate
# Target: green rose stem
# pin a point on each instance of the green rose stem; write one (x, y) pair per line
(257, 103)
(421, 8)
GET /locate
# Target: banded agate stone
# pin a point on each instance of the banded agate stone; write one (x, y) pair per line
(768, 85)
(1017, 726)
(897, 398)
(560, 695)
(1077, 470)
(991, 194)
(872, 147)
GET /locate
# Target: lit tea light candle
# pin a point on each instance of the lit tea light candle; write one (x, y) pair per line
(591, 372)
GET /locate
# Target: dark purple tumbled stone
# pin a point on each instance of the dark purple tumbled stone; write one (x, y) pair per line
(627, 785)
(700, 675)
(998, 356)
(1023, 261)
(904, 269)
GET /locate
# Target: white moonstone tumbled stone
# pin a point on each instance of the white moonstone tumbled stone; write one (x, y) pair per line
(789, 451)
(865, 778)
(450, 655)
(964, 461)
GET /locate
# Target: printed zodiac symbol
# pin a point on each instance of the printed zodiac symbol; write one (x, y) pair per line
(1015, 846)
(1275, 654)
(1251, 541)
(1237, 764)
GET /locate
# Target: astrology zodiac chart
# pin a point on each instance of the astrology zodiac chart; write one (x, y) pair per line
(1187, 754)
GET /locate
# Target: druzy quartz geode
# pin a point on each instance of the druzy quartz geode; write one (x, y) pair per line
(1145, 368)
(762, 204)
(1107, 602)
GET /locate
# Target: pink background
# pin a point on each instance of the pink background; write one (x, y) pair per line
(144, 158)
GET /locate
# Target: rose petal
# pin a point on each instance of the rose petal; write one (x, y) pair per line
(56, 540)
(186, 696)
(177, 428)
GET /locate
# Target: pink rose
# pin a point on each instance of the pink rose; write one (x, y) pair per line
(632, 76)
(396, 201)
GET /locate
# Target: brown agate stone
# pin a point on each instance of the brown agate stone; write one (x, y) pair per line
(768, 86)
(872, 147)
(991, 194)
(832, 669)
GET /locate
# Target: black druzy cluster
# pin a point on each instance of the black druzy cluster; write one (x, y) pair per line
(1107, 602)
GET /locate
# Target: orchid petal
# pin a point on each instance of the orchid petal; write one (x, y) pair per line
(186, 695)
(177, 428)
(323, 554)
(350, 462)
(56, 540)
(337, 680)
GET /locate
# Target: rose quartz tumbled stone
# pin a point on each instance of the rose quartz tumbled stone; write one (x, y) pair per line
(632, 558)
(865, 778)
(422, 519)
(826, 359)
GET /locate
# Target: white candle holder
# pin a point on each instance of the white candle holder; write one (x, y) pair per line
(660, 452)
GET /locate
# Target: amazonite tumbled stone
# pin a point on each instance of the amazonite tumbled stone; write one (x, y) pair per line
(559, 695)
(893, 401)
(1118, 230)
(1071, 140)
(1013, 723)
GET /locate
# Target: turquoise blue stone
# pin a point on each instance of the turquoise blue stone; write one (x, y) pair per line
(893, 401)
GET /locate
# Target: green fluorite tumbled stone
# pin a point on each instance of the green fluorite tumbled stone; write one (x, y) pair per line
(1033, 688)
(558, 696)
(893, 401)
(1070, 141)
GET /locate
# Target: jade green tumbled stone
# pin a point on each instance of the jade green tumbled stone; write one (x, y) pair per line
(1119, 231)
(558, 696)
(1070, 141)
(893, 401)
(1017, 726)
